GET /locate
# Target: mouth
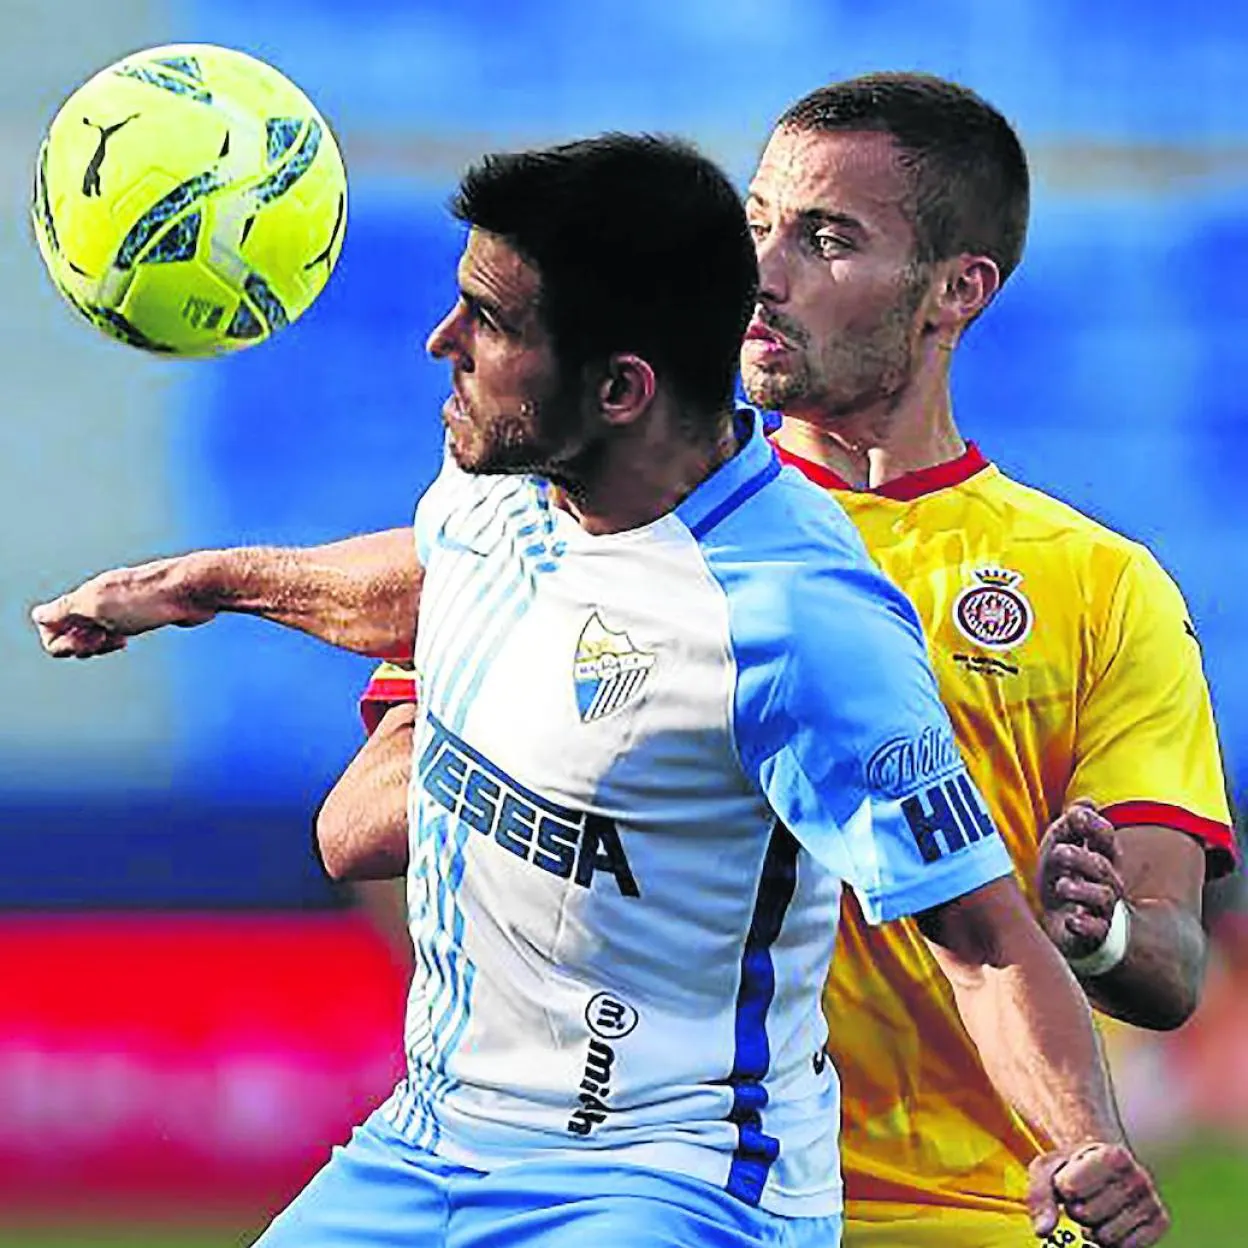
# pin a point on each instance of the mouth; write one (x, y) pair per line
(765, 337)
(454, 410)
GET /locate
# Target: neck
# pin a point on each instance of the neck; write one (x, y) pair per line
(642, 472)
(868, 448)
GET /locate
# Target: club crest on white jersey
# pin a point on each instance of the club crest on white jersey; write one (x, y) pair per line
(609, 671)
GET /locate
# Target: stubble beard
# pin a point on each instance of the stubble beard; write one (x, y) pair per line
(852, 373)
(530, 440)
(773, 390)
(851, 377)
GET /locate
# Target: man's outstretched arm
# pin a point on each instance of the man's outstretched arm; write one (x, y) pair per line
(360, 594)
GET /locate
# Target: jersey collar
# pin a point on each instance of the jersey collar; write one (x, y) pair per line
(735, 481)
(903, 489)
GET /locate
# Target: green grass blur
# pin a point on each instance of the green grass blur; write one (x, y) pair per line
(115, 1234)
(1206, 1186)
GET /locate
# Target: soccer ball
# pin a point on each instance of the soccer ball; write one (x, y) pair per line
(190, 200)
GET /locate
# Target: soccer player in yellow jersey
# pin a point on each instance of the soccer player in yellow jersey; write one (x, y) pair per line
(887, 211)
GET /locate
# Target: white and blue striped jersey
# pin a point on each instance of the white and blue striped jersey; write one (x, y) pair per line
(644, 763)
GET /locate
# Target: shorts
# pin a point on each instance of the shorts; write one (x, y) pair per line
(379, 1191)
(893, 1225)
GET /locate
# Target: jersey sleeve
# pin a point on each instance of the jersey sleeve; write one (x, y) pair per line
(1146, 746)
(841, 724)
(390, 685)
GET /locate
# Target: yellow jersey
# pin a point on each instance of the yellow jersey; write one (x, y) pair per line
(1068, 663)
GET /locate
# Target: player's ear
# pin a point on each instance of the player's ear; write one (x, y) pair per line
(965, 285)
(626, 388)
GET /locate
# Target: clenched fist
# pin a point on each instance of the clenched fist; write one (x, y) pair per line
(1104, 1189)
(99, 616)
(1078, 880)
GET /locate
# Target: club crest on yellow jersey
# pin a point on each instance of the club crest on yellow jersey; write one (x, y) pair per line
(993, 612)
(608, 672)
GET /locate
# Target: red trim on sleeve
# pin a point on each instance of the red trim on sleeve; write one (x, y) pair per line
(1221, 847)
(903, 489)
(382, 693)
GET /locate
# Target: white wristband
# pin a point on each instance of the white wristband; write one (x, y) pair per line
(1112, 949)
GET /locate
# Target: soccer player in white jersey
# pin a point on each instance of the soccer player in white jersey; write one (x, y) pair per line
(667, 705)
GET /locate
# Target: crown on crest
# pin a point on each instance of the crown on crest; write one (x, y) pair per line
(998, 578)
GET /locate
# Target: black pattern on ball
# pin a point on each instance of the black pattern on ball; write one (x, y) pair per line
(281, 134)
(148, 225)
(270, 306)
(166, 82)
(280, 182)
(244, 324)
(41, 204)
(178, 242)
(185, 65)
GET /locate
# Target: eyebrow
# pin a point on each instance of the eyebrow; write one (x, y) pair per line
(813, 216)
(486, 305)
(824, 216)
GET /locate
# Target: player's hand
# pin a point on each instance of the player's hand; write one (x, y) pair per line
(98, 616)
(1104, 1189)
(1079, 881)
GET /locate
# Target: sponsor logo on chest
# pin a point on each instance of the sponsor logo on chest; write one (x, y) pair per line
(570, 844)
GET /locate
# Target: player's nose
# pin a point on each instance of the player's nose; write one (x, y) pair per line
(446, 337)
(773, 267)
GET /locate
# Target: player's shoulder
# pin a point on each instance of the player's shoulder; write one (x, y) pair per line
(794, 565)
(789, 536)
(790, 519)
(765, 521)
(1059, 531)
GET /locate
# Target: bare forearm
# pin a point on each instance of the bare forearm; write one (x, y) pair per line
(1037, 1042)
(1157, 985)
(360, 594)
(1024, 1010)
(1123, 906)
(361, 830)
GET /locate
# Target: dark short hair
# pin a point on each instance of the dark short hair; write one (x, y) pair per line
(641, 244)
(971, 189)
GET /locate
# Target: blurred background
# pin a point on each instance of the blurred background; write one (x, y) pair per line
(189, 1013)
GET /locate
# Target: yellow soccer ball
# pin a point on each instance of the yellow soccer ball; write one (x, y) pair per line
(189, 200)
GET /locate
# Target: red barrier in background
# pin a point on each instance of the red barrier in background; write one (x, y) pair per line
(198, 1059)
(177, 1061)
